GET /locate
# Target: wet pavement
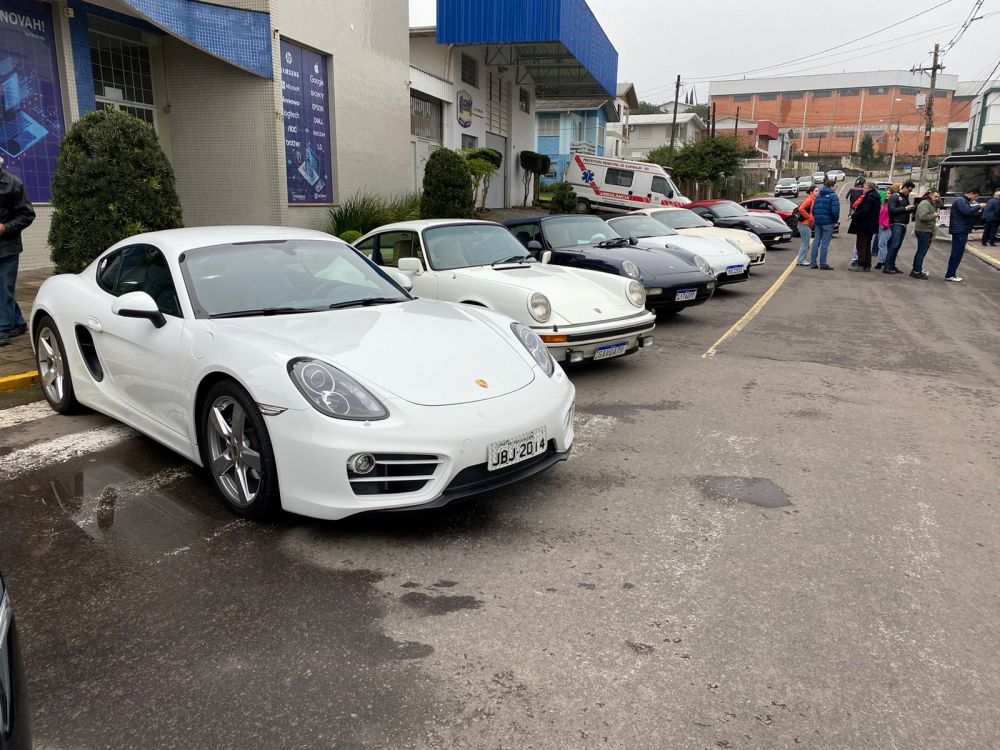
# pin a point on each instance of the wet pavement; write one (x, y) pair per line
(791, 543)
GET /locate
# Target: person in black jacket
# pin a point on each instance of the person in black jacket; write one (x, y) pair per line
(16, 215)
(864, 224)
(899, 216)
(854, 193)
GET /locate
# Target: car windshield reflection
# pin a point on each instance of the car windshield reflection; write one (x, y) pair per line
(681, 219)
(572, 231)
(282, 277)
(728, 210)
(640, 226)
(466, 245)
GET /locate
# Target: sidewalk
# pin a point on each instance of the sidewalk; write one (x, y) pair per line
(18, 358)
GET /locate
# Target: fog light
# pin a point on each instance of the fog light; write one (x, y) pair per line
(574, 356)
(645, 341)
(710, 285)
(362, 463)
(653, 292)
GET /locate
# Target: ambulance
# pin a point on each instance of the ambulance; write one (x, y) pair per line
(618, 185)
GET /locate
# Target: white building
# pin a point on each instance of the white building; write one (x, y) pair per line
(616, 137)
(984, 122)
(648, 132)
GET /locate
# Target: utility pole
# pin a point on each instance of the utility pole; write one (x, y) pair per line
(711, 131)
(673, 124)
(736, 127)
(929, 112)
(895, 145)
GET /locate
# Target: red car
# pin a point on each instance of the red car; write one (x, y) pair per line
(731, 215)
(777, 206)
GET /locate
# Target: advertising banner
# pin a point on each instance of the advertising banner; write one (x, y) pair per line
(307, 125)
(31, 116)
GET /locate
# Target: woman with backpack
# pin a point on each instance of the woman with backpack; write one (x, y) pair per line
(864, 224)
(806, 221)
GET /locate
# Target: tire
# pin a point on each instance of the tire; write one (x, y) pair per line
(582, 206)
(247, 479)
(54, 375)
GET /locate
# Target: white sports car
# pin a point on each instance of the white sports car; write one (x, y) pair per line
(579, 314)
(299, 373)
(728, 262)
(688, 223)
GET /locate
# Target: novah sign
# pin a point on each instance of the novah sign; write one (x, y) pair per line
(27, 22)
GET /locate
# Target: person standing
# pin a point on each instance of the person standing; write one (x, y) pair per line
(899, 216)
(16, 215)
(991, 217)
(806, 223)
(854, 193)
(963, 218)
(924, 226)
(883, 227)
(864, 224)
(826, 213)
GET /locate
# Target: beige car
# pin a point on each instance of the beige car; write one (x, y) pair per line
(688, 222)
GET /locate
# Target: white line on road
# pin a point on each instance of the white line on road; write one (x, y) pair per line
(18, 415)
(62, 449)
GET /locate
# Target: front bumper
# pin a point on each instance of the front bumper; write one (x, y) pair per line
(312, 450)
(581, 342)
(666, 300)
(773, 238)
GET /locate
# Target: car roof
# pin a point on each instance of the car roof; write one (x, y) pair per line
(419, 224)
(177, 241)
(710, 202)
(527, 219)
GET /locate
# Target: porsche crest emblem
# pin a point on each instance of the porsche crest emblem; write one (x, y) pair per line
(482, 383)
(598, 311)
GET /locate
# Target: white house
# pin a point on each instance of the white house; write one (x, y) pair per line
(616, 136)
(648, 132)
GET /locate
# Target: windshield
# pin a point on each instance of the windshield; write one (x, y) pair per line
(570, 231)
(282, 277)
(465, 245)
(786, 181)
(728, 210)
(783, 204)
(640, 226)
(806, 178)
(959, 178)
(682, 219)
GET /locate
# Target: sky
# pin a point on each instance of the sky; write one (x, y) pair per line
(700, 39)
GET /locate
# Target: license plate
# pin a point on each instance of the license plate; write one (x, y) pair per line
(786, 236)
(684, 295)
(611, 350)
(734, 270)
(517, 449)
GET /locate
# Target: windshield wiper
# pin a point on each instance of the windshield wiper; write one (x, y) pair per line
(616, 242)
(265, 311)
(366, 302)
(511, 259)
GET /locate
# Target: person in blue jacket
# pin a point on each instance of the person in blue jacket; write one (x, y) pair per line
(991, 218)
(826, 212)
(960, 223)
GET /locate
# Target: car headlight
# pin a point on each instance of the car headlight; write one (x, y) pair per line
(539, 307)
(535, 346)
(333, 392)
(631, 269)
(703, 265)
(636, 294)
(755, 238)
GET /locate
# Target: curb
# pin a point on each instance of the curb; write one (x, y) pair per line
(985, 257)
(16, 382)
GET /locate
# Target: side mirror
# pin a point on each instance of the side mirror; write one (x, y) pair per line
(410, 266)
(400, 278)
(633, 240)
(535, 246)
(546, 256)
(771, 208)
(139, 305)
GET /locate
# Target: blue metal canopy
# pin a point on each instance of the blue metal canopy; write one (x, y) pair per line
(558, 43)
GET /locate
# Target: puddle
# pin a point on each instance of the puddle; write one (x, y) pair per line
(433, 606)
(731, 490)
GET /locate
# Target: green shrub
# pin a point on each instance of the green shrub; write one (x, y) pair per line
(362, 212)
(563, 199)
(112, 181)
(351, 236)
(402, 207)
(447, 187)
(491, 155)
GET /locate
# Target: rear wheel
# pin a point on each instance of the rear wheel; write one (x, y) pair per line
(582, 206)
(237, 452)
(53, 368)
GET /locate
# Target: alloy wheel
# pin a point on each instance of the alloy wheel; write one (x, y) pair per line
(51, 365)
(234, 452)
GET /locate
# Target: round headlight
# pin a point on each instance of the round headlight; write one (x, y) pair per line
(535, 346)
(636, 294)
(631, 269)
(539, 307)
(703, 265)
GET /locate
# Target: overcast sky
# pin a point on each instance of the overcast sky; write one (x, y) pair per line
(659, 39)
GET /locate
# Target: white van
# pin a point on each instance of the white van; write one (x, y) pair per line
(619, 185)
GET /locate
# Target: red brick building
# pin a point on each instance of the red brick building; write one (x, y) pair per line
(831, 113)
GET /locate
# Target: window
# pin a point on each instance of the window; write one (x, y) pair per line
(524, 100)
(425, 117)
(620, 177)
(367, 247)
(770, 97)
(107, 271)
(877, 90)
(908, 91)
(849, 92)
(143, 268)
(660, 186)
(742, 97)
(941, 93)
(844, 134)
(548, 126)
(392, 246)
(792, 95)
(469, 141)
(123, 77)
(470, 70)
(525, 233)
(822, 94)
(875, 133)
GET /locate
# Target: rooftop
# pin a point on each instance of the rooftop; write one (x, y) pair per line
(874, 78)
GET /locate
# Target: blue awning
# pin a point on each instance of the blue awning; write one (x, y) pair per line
(558, 43)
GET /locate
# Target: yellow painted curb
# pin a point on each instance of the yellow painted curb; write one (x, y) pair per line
(16, 382)
(985, 257)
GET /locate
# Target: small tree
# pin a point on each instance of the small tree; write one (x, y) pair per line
(647, 108)
(707, 160)
(563, 199)
(112, 181)
(533, 165)
(484, 163)
(447, 187)
(866, 150)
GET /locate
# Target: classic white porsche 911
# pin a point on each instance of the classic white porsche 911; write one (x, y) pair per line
(579, 314)
(299, 373)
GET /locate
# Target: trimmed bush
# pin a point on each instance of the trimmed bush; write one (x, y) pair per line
(447, 187)
(563, 199)
(112, 181)
(351, 236)
(361, 213)
(491, 155)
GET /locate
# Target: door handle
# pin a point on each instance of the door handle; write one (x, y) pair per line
(95, 325)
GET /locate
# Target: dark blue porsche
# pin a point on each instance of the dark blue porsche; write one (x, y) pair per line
(674, 278)
(15, 734)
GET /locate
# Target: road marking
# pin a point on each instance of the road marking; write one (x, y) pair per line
(751, 313)
(18, 415)
(985, 257)
(62, 449)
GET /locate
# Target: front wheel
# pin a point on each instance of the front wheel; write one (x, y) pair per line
(236, 450)
(53, 368)
(582, 206)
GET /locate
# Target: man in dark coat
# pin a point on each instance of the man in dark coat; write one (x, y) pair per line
(864, 224)
(16, 215)
(962, 219)
(899, 217)
(854, 193)
(991, 220)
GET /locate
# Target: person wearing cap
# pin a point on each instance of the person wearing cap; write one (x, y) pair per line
(16, 215)
(960, 224)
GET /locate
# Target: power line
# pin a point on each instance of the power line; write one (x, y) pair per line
(965, 26)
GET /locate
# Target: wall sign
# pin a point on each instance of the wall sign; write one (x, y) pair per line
(31, 116)
(464, 108)
(306, 105)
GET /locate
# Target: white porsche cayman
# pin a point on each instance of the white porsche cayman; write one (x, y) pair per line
(579, 314)
(300, 374)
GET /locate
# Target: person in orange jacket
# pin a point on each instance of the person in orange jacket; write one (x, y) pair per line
(806, 222)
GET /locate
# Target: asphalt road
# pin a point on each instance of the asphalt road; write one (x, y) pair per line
(793, 542)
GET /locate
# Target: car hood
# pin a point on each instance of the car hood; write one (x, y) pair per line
(648, 256)
(707, 247)
(768, 220)
(426, 352)
(572, 295)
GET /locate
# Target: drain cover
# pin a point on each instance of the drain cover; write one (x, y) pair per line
(731, 490)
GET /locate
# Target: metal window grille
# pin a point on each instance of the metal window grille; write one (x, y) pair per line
(123, 76)
(470, 70)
